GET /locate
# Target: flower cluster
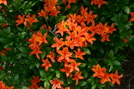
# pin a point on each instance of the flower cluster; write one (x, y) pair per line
(36, 41)
(101, 73)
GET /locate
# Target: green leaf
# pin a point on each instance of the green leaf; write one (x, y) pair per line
(111, 66)
(2, 20)
(16, 77)
(43, 74)
(23, 49)
(82, 65)
(3, 40)
(62, 18)
(87, 50)
(126, 9)
(24, 87)
(93, 86)
(111, 54)
(85, 74)
(43, 54)
(58, 74)
(116, 62)
(47, 84)
(86, 2)
(83, 83)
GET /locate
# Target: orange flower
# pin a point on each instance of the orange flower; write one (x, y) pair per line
(77, 76)
(105, 37)
(99, 2)
(31, 19)
(3, 86)
(3, 52)
(65, 54)
(62, 28)
(42, 13)
(21, 20)
(89, 38)
(100, 73)
(51, 8)
(132, 18)
(3, 1)
(35, 79)
(51, 56)
(71, 42)
(79, 54)
(46, 64)
(67, 69)
(115, 77)
(4, 25)
(74, 65)
(38, 38)
(56, 83)
(69, 2)
(125, 40)
(90, 17)
(105, 78)
(59, 43)
(36, 50)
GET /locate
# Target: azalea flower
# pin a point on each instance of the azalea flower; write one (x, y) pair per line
(56, 83)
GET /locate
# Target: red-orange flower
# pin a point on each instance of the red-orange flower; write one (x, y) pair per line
(64, 54)
(3, 86)
(58, 43)
(42, 13)
(115, 77)
(36, 50)
(51, 56)
(69, 2)
(71, 42)
(36, 79)
(132, 18)
(100, 73)
(79, 54)
(31, 19)
(99, 2)
(67, 69)
(125, 40)
(77, 76)
(74, 65)
(3, 1)
(46, 64)
(21, 20)
(56, 83)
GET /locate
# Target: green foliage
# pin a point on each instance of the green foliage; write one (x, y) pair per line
(20, 65)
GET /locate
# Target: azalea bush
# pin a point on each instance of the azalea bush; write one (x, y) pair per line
(64, 44)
